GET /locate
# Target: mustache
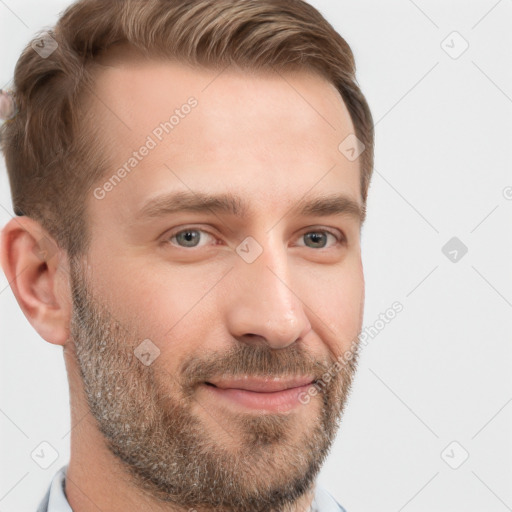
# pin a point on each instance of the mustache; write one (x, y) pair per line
(257, 361)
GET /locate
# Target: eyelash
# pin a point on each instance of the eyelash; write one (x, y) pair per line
(167, 240)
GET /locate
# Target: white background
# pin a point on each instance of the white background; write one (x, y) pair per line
(441, 370)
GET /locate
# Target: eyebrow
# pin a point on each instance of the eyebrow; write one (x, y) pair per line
(229, 203)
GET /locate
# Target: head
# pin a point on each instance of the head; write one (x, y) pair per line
(190, 181)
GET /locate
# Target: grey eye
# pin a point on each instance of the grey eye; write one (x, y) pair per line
(189, 237)
(318, 239)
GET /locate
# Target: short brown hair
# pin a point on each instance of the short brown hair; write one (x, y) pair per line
(49, 151)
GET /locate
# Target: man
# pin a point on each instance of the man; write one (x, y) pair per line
(190, 181)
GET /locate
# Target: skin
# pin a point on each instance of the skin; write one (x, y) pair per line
(273, 140)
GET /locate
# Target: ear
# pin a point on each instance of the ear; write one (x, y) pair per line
(37, 272)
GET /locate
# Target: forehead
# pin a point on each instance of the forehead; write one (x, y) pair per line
(130, 84)
(245, 127)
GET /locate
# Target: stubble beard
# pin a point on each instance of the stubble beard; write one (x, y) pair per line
(250, 462)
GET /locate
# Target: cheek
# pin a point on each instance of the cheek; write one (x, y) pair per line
(337, 306)
(161, 305)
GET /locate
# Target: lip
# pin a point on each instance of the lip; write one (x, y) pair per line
(262, 394)
(262, 385)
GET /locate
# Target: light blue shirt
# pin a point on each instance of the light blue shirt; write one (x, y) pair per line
(55, 499)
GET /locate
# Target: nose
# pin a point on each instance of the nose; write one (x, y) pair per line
(265, 304)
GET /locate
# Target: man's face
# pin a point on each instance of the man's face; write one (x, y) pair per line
(265, 292)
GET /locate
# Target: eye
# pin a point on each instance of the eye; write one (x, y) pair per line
(186, 238)
(190, 238)
(319, 238)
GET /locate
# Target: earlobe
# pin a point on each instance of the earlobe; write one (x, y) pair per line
(33, 265)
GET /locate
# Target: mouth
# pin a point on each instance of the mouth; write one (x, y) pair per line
(259, 394)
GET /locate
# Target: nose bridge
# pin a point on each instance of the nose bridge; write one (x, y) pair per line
(265, 303)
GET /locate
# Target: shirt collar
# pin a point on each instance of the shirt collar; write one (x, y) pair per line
(57, 501)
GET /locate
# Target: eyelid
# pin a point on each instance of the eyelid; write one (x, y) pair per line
(338, 233)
